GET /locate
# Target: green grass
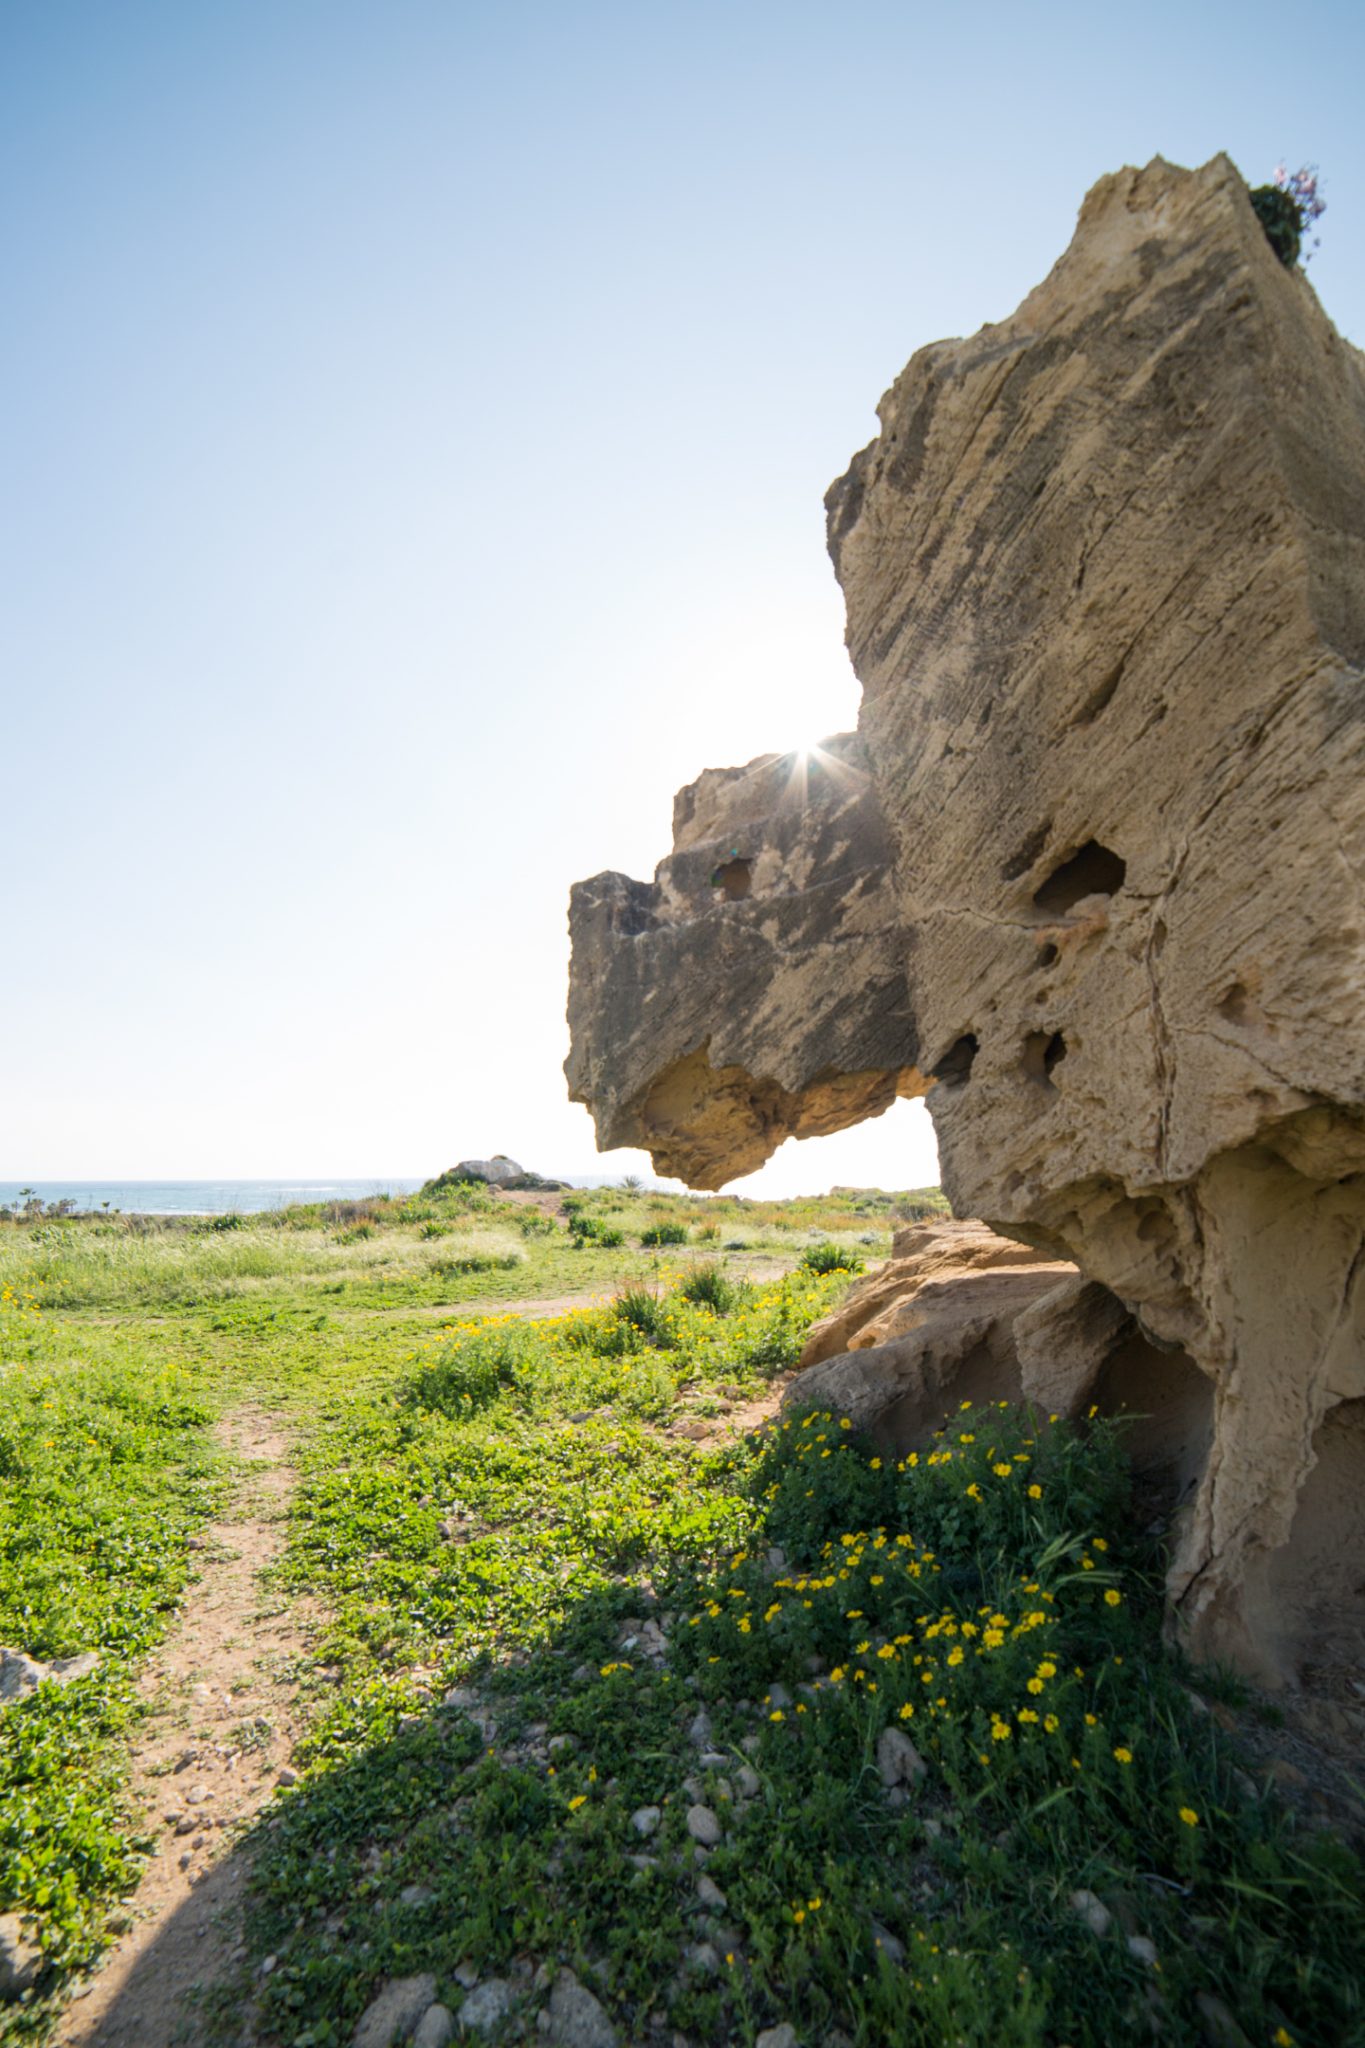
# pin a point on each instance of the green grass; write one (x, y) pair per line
(104, 1474)
(537, 1578)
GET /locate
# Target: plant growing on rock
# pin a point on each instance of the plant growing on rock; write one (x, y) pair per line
(1287, 207)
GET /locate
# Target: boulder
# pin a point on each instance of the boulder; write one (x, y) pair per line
(1090, 873)
(21, 1959)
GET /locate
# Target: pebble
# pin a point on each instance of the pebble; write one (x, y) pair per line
(286, 1776)
(645, 1820)
(710, 1893)
(187, 1824)
(891, 1946)
(701, 1956)
(1093, 1911)
(1219, 2024)
(699, 1732)
(435, 2028)
(394, 2014)
(486, 2008)
(466, 1975)
(1142, 1948)
(779, 1696)
(898, 1761)
(704, 1827)
(777, 2037)
(713, 1760)
(186, 1860)
(748, 1781)
(197, 1794)
(20, 1956)
(576, 2020)
(416, 1895)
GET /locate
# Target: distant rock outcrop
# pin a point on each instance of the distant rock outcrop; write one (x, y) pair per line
(497, 1172)
(1095, 864)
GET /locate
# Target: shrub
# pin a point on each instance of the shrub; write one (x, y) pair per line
(832, 1258)
(640, 1310)
(710, 1287)
(1279, 215)
(611, 1238)
(664, 1233)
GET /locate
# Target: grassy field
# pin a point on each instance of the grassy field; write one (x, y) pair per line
(744, 1729)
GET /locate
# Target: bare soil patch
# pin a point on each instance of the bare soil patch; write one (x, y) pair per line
(222, 1728)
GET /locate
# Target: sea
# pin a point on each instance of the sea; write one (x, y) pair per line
(206, 1197)
(230, 1197)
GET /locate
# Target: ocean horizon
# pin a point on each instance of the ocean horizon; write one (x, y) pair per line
(229, 1197)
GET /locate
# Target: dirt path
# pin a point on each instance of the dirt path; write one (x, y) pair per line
(205, 1762)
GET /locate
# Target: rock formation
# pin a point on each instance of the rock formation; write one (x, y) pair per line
(1104, 880)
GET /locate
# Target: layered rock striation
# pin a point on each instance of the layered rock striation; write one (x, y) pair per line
(1104, 568)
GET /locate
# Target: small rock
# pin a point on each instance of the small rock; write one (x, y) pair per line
(898, 1761)
(416, 1895)
(779, 1696)
(891, 1946)
(777, 2037)
(186, 1824)
(561, 1745)
(267, 1967)
(1143, 1949)
(702, 1956)
(395, 2012)
(1093, 1911)
(485, 2009)
(699, 1732)
(435, 2028)
(710, 1893)
(934, 1830)
(748, 1781)
(751, 1744)
(1219, 2024)
(21, 1959)
(704, 1827)
(19, 1674)
(197, 1794)
(186, 1860)
(65, 1669)
(576, 2019)
(644, 1862)
(645, 1820)
(466, 1975)
(713, 1759)
(286, 1775)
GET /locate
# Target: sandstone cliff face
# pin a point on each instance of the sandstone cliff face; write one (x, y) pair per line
(1105, 575)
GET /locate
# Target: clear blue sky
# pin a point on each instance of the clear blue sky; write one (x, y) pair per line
(416, 422)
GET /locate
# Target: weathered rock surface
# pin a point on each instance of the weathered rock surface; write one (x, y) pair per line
(1105, 576)
(497, 1172)
(756, 988)
(923, 1255)
(21, 1674)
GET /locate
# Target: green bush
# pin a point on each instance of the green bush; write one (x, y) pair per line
(664, 1233)
(1278, 212)
(831, 1258)
(712, 1287)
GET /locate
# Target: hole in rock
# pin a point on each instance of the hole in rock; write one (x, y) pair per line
(1171, 1405)
(735, 877)
(1233, 1004)
(1048, 955)
(1043, 1052)
(952, 1070)
(1094, 871)
(1309, 1595)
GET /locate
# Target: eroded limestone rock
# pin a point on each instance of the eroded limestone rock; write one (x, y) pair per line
(755, 989)
(1104, 568)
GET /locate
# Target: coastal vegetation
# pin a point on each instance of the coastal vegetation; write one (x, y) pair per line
(748, 1727)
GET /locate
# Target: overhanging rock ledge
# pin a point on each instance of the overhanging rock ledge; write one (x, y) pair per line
(1095, 861)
